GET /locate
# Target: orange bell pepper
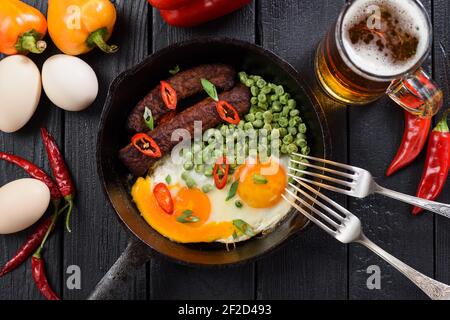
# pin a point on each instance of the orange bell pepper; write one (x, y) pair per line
(78, 26)
(21, 28)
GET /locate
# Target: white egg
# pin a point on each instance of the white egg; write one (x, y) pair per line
(69, 82)
(22, 203)
(20, 91)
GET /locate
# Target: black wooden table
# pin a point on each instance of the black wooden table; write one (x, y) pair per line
(313, 266)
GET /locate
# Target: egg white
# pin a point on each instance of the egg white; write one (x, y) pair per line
(260, 219)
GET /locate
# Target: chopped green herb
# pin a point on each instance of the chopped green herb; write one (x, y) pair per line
(243, 227)
(238, 204)
(148, 118)
(187, 217)
(259, 179)
(210, 89)
(233, 190)
(235, 236)
(175, 70)
(168, 179)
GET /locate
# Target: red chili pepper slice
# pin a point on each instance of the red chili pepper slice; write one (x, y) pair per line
(437, 163)
(227, 112)
(220, 173)
(163, 197)
(414, 139)
(169, 95)
(146, 145)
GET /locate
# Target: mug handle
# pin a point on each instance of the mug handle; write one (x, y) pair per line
(417, 93)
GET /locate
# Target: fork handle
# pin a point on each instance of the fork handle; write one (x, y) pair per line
(436, 207)
(434, 289)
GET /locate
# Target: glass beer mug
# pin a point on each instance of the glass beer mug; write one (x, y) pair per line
(375, 48)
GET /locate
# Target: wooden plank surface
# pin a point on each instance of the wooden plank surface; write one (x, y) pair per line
(98, 238)
(442, 234)
(168, 280)
(375, 132)
(293, 30)
(27, 144)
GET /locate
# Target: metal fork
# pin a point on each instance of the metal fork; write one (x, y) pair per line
(346, 227)
(357, 183)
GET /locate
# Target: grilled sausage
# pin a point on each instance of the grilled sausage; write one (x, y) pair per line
(204, 111)
(186, 84)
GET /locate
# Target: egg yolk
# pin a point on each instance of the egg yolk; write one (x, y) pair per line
(261, 185)
(184, 199)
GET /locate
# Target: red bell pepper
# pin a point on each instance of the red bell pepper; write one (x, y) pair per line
(201, 11)
(169, 4)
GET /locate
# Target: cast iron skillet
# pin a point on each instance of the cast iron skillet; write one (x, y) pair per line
(127, 90)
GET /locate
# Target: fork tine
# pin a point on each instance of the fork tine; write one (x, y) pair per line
(309, 216)
(330, 221)
(326, 169)
(320, 204)
(324, 197)
(321, 176)
(322, 185)
(336, 164)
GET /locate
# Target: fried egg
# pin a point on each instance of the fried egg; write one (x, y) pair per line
(217, 219)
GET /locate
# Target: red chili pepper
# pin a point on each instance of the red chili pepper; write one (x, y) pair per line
(201, 11)
(220, 173)
(146, 145)
(40, 278)
(227, 112)
(163, 197)
(414, 139)
(30, 245)
(34, 172)
(169, 95)
(437, 163)
(60, 171)
(169, 4)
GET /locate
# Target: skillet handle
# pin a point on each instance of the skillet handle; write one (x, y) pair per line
(135, 255)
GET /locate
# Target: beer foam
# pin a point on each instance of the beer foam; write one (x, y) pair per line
(368, 57)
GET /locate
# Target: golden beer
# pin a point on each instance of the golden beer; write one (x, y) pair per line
(372, 43)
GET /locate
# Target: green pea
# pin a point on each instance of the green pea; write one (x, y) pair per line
(293, 122)
(274, 98)
(301, 136)
(267, 127)
(258, 123)
(275, 116)
(285, 111)
(283, 132)
(267, 115)
(294, 113)
(262, 97)
(306, 150)
(275, 125)
(301, 142)
(185, 176)
(243, 76)
(266, 90)
(199, 168)
(261, 83)
(259, 116)
(302, 128)
(254, 101)
(292, 103)
(256, 78)
(207, 188)
(292, 131)
(248, 125)
(283, 122)
(250, 117)
(292, 148)
(263, 105)
(283, 149)
(188, 166)
(279, 90)
(187, 155)
(254, 90)
(276, 106)
(238, 204)
(190, 183)
(241, 124)
(209, 171)
(287, 139)
(249, 82)
(283, 99)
